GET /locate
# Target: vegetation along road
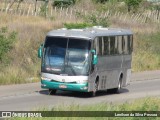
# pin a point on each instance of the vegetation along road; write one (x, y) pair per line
(32, 97)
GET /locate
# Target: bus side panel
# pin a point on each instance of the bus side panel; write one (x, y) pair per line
(126, 65)
(109, 69)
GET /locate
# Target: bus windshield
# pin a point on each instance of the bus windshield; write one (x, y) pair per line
(66, 56)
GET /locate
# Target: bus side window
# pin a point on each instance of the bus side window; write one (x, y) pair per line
(116, 46)
(100, 45)
(125, 45)
(106, 45)
(128, 44)
(130, 39)
(103, 46)
(120, 47)
(96, 45)
(112, 45)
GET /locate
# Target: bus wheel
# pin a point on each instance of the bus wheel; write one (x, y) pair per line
(93, 93)
(52, 92)
(118, 89)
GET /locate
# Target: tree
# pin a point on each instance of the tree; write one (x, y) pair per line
(133, 4)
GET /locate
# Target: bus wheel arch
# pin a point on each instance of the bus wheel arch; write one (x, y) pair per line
(121, 78)
(97, 83)
(119, 87)
(117, 90)
(97, 79)
(95, 89)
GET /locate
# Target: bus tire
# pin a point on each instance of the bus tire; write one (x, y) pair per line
(93, 93)
(52, 91)
(118, 89)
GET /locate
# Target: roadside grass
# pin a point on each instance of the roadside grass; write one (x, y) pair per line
(146, 55)
(17, 74)
(143, 104)
(24, 65)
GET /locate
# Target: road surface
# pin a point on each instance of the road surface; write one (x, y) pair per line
(32, 97)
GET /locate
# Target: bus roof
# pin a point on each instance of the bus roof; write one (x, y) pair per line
(89, 33)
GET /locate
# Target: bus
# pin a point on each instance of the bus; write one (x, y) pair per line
(86, 60)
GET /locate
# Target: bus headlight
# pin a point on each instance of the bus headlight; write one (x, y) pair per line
(45, 78)
(82, 81)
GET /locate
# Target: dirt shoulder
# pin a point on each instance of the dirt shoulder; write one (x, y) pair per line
(146, 75)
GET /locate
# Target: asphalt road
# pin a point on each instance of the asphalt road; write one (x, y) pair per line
(32, 97)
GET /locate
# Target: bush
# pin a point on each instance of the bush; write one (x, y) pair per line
(76, 25)
(100, 1)
(89, 21)
(133, 4)
(6, 41)
(96, 20)
(63, 3)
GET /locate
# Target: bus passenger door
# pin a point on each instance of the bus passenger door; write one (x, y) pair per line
(93, 71)
(92, 77)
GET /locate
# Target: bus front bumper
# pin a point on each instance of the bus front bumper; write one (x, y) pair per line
(64, 86)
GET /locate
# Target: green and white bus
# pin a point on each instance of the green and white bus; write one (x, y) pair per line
(86, 60)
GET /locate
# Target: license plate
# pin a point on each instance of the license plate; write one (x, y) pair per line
(62, 86)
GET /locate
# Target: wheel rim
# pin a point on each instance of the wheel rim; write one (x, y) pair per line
(119, 85)
(95, 88)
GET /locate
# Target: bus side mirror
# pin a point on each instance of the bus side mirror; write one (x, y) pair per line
(40, 51)
(94, 57)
